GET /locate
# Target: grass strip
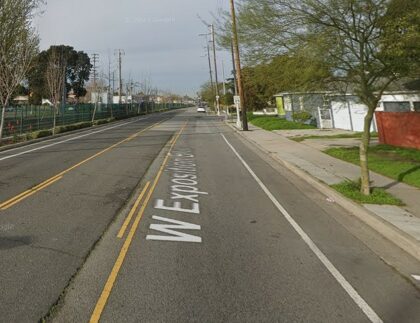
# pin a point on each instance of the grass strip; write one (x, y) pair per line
(275, 123)
(356, 135)
(351, 190)
(401, 164)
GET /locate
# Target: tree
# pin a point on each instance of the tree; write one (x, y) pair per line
(18, 46)
(77, 72)
(55, 77)
(366, 45)
(298, 72)
(147, 88)
(206, 92)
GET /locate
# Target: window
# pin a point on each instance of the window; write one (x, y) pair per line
(403, 106)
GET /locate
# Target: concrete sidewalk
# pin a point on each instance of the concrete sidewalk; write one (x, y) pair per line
(323, 169)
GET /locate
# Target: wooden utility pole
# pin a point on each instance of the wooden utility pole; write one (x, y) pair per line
(238, 66)
(210, 69)
(213, 39)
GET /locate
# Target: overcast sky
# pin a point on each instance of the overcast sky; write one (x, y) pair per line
(159, 37)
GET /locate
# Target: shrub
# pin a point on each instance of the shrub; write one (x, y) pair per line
(302, 116)
(42, 133)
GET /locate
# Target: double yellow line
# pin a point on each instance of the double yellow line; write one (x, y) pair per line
(27, 193)
(20, 197)
(100, 305)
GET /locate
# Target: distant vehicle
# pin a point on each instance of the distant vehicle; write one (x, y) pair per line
(201, 109)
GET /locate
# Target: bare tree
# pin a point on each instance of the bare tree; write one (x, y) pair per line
(55, 76)
(18, 47)
(147, 88)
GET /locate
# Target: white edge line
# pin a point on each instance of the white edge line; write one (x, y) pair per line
(369, 312)
(66, 140)
(416, 277)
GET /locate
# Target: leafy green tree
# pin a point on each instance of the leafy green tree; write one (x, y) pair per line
(366, 45)
(78, 69)
(206, 93)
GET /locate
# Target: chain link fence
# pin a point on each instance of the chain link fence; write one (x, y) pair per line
(21, 120)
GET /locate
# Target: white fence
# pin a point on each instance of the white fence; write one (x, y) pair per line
(349, 115)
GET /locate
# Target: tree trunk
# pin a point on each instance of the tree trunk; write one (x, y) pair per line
(3, 115)
(54, 119)
(363, 152)
(94, 112)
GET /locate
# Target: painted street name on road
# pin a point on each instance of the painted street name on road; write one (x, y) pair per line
(184, 199)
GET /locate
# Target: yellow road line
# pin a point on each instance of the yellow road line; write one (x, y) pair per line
(26, 192)
(100, 305)
(132, 211)
(31, 192)
(18, 198)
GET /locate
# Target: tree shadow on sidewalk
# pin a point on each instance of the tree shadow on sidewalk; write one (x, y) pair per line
(402, 176)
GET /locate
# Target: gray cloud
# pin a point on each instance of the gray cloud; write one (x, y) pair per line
(159, 37)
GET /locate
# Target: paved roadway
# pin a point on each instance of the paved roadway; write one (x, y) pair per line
(192, 225)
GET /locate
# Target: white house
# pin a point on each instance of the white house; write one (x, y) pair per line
(343, 111)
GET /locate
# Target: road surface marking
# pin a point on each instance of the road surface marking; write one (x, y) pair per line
(24, 195)
(171, 230)
(132, 211)
(416, 277)
(27, 193)
(63, 141)
(184, 176)
(369, 312)
(100, 305)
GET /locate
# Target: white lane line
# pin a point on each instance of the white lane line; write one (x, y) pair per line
(369, 312)
(66, 140)
(416, 277)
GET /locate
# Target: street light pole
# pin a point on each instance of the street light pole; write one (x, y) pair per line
(238, 66)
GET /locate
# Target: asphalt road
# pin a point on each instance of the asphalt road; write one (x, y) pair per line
(46, 237)
(214, 232)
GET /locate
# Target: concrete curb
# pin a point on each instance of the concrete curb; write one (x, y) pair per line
(384, 228)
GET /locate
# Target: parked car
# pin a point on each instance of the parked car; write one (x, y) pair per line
(201, 109)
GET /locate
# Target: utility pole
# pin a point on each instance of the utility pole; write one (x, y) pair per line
(211, 72)
(235, 83)
(110, 92)
(209, 59)
(215, 69)
(120, 54)
(95, 58)
(113, 86)
(223, 74)
(238, 66)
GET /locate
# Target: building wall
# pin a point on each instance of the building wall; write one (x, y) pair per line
(412, 100)
(399, 128)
